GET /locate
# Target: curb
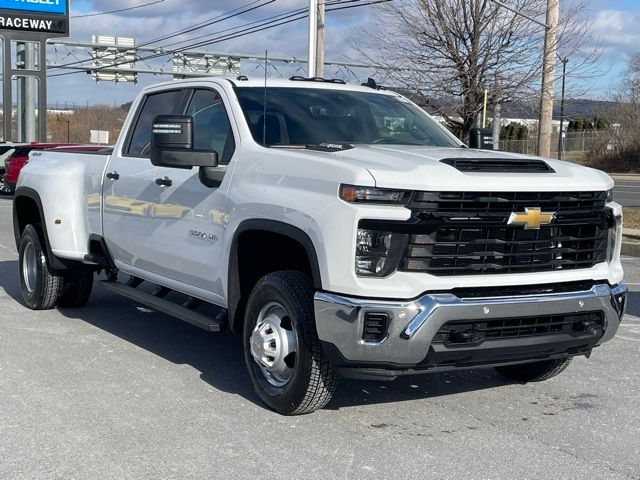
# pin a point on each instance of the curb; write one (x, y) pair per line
(630, 249)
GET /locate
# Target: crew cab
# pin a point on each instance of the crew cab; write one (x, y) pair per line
(339, 229)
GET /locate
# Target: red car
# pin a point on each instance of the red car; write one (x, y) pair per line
(19, 159)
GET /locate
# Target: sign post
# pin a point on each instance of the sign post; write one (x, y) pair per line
(25, 27)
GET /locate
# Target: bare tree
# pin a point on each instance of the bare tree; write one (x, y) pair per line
(449, 51)
(624, 150)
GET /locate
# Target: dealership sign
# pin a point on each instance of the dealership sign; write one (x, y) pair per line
(40, 16)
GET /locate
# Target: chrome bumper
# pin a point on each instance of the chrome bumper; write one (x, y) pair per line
(413, 324)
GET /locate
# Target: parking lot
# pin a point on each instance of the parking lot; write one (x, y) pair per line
(114, 390)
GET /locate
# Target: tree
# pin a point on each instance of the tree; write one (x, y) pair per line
(514, 131)
(454, 49)
(626, 134)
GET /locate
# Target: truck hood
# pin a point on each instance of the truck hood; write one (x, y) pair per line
(420, 168)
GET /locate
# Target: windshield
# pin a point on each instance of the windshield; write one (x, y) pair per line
(309, 116)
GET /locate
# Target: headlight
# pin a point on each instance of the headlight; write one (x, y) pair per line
(615, 235)
(383, 196)
(378, 253)
(610, 195)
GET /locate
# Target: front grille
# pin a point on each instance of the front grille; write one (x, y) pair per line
(466, 233)
(473, 332)
(498, 165)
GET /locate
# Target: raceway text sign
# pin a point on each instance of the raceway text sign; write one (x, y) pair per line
(49, 17)
(36, 6)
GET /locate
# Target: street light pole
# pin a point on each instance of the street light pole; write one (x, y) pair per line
(564, 61)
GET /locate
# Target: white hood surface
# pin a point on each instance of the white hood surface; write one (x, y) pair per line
(420, 168)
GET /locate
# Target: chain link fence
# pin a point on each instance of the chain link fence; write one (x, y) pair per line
(575, 145)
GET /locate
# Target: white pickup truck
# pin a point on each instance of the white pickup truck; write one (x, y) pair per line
(339, 229)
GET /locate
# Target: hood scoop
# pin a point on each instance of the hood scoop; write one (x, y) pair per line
(498, 165)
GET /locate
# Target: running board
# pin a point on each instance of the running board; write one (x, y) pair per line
(216, 324)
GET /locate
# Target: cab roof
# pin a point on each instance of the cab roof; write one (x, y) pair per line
(259, 82)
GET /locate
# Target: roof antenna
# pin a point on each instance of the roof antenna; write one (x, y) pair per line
(264, 106)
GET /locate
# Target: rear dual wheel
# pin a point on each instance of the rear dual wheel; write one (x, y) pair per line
(44, 288)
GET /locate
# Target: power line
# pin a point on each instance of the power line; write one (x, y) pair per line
(291, 17)
(117, 11)
(524, 15)
(219, 18)
(280, 16)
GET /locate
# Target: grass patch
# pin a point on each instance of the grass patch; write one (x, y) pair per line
(628, 239)
(631, 217)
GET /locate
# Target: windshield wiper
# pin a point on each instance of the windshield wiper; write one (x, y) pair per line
(321, 147)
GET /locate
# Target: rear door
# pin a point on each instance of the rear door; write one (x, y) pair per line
(130, 193)
(190, 219)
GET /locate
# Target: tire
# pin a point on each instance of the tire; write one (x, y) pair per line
(300, 380)
(78, 283)
(534, 372)
(41, 286)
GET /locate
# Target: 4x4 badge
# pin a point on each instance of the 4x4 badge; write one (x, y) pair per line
(531, 219)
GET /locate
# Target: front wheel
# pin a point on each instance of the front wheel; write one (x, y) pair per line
(536, 371)
(282, 351)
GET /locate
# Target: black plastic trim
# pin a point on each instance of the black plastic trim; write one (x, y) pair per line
(498, 165)
(54, 262)
(488, 354)
(106, 255)
(273, 226)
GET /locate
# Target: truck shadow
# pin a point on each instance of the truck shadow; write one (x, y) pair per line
(219, 358)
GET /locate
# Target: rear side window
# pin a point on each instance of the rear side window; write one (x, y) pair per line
(164, 103)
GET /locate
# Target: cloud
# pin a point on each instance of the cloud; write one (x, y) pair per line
(151, 22)
(618, 33)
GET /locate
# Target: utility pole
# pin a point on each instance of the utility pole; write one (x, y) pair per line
(26, 107)
(497, 113)
(313, 37)
(320, 39)
(548, 67)
(564, 61)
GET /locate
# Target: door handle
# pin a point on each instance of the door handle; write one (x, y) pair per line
(113, 175)
(164, 182)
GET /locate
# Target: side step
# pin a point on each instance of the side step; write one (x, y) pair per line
(216, 324)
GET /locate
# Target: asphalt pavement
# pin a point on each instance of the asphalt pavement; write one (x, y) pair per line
(116, 391)
(627, 190)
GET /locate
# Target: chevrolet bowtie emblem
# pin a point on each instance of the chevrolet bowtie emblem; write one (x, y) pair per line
(531, 219)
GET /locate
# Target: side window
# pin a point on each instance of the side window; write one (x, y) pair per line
(211, 127)
(164, 103)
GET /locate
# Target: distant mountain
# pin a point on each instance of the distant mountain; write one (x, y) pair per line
(574, 107)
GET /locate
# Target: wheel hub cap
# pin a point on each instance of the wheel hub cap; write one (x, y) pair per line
(274, 344)
(30, 267)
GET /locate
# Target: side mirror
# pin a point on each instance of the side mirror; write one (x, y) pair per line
(172, 144)
(481, 138)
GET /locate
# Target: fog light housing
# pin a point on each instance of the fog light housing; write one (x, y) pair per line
(378, 253)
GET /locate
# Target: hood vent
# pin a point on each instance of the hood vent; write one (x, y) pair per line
(498, 165)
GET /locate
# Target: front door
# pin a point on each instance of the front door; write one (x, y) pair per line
(190, 219)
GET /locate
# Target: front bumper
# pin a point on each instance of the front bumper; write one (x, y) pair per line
(408, 345)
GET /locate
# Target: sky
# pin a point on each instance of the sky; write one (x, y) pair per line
(615, 26)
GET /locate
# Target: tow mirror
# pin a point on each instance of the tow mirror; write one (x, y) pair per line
(172, 144)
